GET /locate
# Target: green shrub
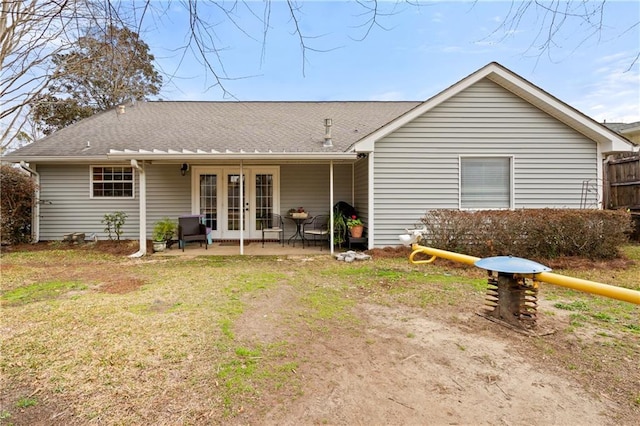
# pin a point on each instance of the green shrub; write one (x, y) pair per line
(114, 223)
(17, 197)
(529, 233)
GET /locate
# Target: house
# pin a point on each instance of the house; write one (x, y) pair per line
(629, 130)
(491, 141)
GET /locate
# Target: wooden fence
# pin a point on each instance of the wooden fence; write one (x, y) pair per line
(622, 182)
(622, 186)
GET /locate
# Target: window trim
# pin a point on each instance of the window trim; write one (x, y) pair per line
(132, 181)
(511, 180)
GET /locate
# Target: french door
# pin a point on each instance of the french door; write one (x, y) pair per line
(226, 208)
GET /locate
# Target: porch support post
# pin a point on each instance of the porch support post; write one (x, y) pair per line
(241, 208)
(371, 219)
(142, 194)
(331, 204)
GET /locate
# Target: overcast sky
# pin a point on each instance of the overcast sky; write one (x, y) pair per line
(421, 51)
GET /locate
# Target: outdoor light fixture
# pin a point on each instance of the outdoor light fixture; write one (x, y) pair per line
(328, 122)
(184, 168)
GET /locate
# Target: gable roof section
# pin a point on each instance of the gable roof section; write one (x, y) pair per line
(215, 130)
(623, 127)
(609, 140)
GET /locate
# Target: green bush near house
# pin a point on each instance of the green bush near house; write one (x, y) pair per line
(114, 223)
(529, 233)
(17, 200)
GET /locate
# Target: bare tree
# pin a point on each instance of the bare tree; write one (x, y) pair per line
(552, 18)
(31, 31)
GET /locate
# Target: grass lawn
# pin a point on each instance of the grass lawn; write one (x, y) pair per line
(94, 337)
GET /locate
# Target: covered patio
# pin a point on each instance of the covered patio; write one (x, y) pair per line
(251, 248)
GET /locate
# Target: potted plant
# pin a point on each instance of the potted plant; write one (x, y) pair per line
(339, 228)
(355, 226)
(298, 213)
(163, 232)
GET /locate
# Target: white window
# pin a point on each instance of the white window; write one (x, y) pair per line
(111, 181)
(485, 183)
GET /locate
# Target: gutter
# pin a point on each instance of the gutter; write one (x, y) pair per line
(35, 221)
(143, 210)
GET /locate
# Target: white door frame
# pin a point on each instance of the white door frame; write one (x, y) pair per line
(222, 173)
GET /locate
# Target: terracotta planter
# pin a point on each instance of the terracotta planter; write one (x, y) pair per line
(356, 231)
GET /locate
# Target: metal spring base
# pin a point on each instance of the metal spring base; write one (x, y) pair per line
(512, 299)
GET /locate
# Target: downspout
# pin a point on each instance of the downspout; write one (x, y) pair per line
(35, 220)
(143, 210)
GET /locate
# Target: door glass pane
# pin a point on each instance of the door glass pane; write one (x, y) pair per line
(209, 200)
(264, 197)
(234, 202)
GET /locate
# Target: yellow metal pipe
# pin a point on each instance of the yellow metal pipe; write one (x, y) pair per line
(614, 292)
(462, 258)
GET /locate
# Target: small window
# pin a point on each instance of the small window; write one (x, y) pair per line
(485, 182)
(111, 181)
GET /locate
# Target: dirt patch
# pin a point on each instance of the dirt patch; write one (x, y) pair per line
(124, 285)
(117, 248)
(404, 366)
(389, 252)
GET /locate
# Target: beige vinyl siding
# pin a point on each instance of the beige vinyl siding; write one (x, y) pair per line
(361, 195)
(168, 193)
(66, 205)
(307, 185)
(417, 166)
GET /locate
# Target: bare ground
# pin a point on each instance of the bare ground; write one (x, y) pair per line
(399, 365)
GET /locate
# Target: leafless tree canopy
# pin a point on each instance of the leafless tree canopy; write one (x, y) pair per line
(32, 31)
(552, 18)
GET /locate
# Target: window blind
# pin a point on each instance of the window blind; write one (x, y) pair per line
(485, 183)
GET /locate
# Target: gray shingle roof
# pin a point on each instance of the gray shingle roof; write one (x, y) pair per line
(621, 127)
(220, 126)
